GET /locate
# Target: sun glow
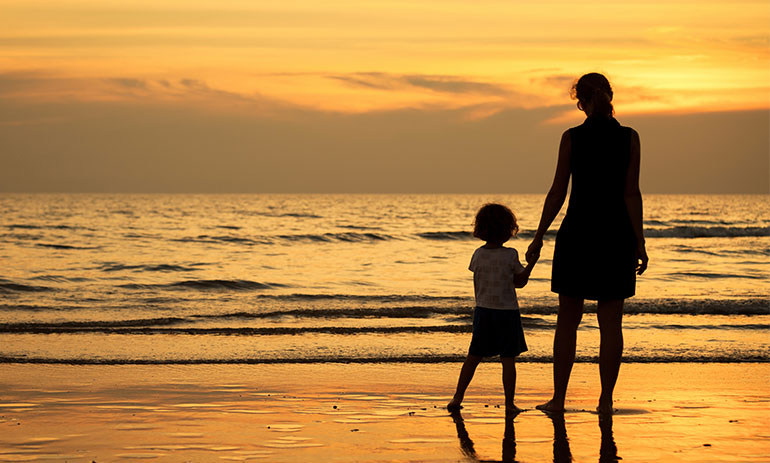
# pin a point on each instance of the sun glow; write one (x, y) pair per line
(344, 56)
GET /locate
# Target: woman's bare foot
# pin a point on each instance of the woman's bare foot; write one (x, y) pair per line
(454, 404)
(605, 408)
(512, 410)
(551, 406)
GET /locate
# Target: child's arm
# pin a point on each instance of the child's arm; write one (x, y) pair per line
(520, 280)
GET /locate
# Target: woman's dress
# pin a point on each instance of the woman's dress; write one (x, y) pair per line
(595, 254)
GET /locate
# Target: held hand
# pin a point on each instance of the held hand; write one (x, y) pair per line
(533, 251)
(642, 259)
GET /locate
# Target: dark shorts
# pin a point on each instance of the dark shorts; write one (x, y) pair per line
(497, 332)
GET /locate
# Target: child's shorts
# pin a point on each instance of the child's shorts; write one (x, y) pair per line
(497, 332)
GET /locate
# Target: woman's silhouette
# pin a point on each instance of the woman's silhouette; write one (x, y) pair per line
(600, 244)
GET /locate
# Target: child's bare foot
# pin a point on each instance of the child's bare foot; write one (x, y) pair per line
(454, 404)
(512, 410)
(551, 406)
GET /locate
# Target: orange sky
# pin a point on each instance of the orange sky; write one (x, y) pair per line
(289, 61)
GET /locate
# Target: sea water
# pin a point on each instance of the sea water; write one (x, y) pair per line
(172, 279)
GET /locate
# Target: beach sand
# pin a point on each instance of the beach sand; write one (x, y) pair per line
(376, 413)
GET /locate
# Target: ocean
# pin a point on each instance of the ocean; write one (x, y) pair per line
(206, 279)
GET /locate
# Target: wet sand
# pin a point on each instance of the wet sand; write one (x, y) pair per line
(376, 413)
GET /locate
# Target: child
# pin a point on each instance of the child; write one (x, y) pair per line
(496, 319)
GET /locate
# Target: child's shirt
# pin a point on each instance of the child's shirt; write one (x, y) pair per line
(493, 271)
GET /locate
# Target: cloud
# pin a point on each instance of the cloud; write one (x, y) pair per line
(129, 83)
(185, 89)
(149, 145)
(560, 81)
(451, 84)
(16, 83)
(372, 80)
(435, 83)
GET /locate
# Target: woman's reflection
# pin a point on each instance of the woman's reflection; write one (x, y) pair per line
(608, 452)
(561, 451)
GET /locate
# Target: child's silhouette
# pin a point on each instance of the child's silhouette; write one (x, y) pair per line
(497, 329)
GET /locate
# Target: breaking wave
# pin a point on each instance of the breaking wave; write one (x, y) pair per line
(204, 285)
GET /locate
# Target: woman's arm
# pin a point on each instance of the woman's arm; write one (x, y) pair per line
(633, 197)
(555, 198)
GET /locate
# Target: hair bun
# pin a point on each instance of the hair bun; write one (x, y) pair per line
(594, 90)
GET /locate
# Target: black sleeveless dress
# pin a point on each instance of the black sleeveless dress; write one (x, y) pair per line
(595, 253)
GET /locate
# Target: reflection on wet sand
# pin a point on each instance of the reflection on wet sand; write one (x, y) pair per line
(608, 451)
(466, 444)
(561, 451)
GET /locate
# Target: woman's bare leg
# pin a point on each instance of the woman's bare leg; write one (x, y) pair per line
(564, 344)
(610, 315)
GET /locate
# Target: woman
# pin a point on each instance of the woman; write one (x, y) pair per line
(600, 244)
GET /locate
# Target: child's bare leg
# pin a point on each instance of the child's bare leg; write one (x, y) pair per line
(466, 375)
(564, 345)
(509, 384)
(610, 315)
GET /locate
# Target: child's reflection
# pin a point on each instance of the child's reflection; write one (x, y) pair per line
(466, 444)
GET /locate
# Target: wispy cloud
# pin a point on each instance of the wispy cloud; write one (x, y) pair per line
(129, 83)
(434, 83)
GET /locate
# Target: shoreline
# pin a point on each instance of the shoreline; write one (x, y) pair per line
(406, 360)
(375, 412)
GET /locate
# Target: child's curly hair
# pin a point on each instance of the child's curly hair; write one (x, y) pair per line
(495, 223)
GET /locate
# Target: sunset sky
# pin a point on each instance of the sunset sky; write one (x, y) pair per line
(373, 96)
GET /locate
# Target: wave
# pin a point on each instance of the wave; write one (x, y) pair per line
(468, 236)
(676, 326)
(695, 307)
(114, 267)
(74, 326)
(462, 235)
(443, 305)
(737, 357)
(24, 226)
(116, 328)
(64, 246)
(222, 239)
(449, 235)
(60, 278)
(706, 232)
(9, 287)
(205, 285)
(370, 298)
(164, 326)
(718, 276)
(11, 237)
(298, 215)
(349, 237)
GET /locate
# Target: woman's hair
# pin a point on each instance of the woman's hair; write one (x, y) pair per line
(593, 89)
(495, 223)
